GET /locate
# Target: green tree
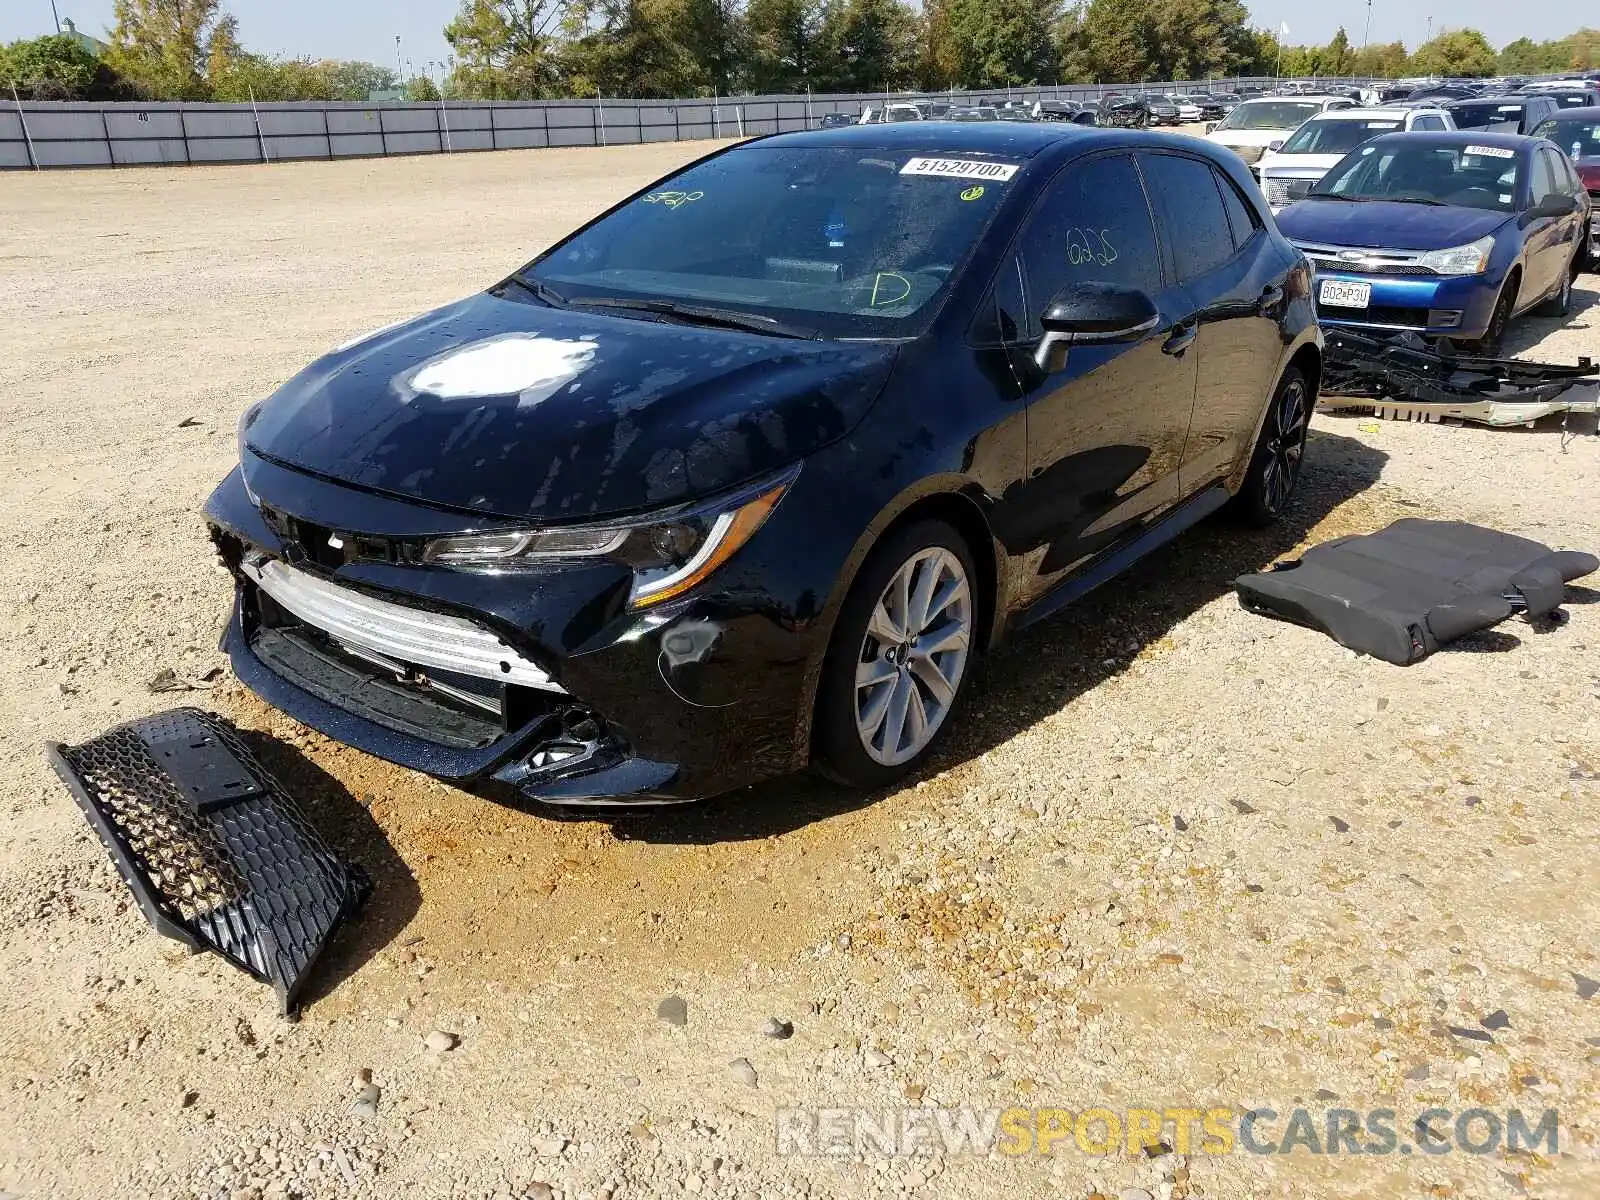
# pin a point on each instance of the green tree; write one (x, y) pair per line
(57, 67)
(781, 43)
(421, 89)
(1461, 52)
(633, 48)
(162, 47)
(1336, 57)
(867, 46)
(1384, 60)
(713, 31)
(505, 48)
(1003, 44)
(358, 80)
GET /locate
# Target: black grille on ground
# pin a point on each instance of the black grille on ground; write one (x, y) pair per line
(1377, 314)
(217, 854)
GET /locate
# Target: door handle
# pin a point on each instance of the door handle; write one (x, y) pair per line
(1271, 297)
(1180, 339)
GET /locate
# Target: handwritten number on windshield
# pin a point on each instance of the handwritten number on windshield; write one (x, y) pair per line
(1090, 247)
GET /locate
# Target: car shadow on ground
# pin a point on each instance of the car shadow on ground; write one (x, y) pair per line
(346, 825)
(1044, 668)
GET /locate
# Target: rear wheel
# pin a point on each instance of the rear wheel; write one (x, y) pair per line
(899, 656)
(1275, 466)
(1560, 303)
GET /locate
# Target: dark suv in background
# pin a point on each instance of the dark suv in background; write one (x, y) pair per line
(1517, 113)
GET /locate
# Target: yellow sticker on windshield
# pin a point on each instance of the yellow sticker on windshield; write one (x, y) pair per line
(972, 193)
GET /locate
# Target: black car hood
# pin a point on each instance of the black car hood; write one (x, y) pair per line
(516, 409)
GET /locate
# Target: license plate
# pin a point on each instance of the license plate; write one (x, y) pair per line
(1343, 294)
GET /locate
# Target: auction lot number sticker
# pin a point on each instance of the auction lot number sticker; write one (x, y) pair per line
(960, 168)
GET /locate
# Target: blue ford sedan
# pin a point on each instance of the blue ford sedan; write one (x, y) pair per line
(1448, 235)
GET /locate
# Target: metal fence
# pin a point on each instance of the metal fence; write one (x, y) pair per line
(59, 134)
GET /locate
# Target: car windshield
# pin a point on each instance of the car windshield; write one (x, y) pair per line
(856, 242)
(1580, 139)
(1269, 114)
(1426, 172)
(1329, 135)
(1488, 114)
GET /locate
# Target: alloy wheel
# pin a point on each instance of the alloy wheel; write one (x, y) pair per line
(1285, 446)
(914, 656)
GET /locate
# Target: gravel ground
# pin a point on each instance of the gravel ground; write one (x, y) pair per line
(1175, 856)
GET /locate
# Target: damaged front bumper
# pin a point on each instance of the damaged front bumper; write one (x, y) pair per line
(546, 682)
(1403, 376)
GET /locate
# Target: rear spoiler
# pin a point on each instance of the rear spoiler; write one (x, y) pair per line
(1402, 372)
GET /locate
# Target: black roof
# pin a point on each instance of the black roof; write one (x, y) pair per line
(1058, 140)
(1005, 139)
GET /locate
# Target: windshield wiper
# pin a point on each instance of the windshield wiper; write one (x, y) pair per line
(1335, 196)
(1416, 200)
(694, 314)
(542, 290)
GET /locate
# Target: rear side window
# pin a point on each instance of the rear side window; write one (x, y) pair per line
(1092, 226)
(1543, 180)
(1198, 232)
(1241, 217)
(1429, 123)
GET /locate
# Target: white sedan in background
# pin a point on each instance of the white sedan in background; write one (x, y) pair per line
(1287, 173)
(1188, 108)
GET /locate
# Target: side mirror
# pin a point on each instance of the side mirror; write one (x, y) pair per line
(1211, 125)
(1275, 146)
(1094, 313)
(1556, 204)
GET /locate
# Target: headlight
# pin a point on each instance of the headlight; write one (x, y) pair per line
(669, 552)
(1472, 259)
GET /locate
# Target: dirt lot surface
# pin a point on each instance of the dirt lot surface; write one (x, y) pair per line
(1176, 856)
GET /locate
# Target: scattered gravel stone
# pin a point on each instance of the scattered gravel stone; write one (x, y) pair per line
(1134, 1193)
(1180, 824)
(539, 1190)
(674, 1010)
(1240, 807)
(1496, 1020)
(743, 1071)
(1340, 826)
(550, 1147)
(1476, 1035)
(1418, 1073)
(439, 1042)
(773, 1027)
(365, 1104)
(1586, 987)
(876, 1059)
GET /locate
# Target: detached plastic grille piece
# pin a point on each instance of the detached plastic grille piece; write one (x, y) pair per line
(216, 852)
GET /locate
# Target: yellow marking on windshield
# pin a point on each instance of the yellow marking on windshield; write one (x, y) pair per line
(877, 283)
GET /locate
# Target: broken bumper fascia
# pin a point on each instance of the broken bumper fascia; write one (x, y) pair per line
(1404, 372)
(691, 700)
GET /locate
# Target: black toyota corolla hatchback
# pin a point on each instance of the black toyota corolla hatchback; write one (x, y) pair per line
(746, 472)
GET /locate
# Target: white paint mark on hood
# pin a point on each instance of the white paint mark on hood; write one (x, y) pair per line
(529, 366)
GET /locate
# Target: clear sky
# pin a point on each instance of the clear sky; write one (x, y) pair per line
(366, 29)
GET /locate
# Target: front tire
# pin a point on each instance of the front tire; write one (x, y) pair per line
(1488, 346)
(900, 656)
(1280, 450)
